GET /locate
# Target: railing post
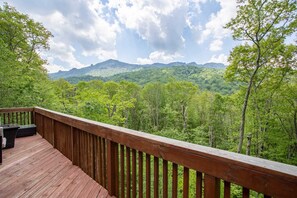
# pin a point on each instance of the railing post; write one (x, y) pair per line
(211, 186)
(112, 172)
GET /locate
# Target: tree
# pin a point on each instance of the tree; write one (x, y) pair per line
(180, 94)
(264, 25)
(21, 67)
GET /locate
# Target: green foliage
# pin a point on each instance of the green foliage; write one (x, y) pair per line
(264, 59)
(23, 79)
(206, 78)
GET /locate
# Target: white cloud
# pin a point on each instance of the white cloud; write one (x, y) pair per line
(216, 45)
(81, 25)
(160, 57)
(160, 22)
(64, 53)
(51, 67)
(221, 58)
(215, 26)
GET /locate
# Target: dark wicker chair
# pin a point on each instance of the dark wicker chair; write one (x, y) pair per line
(0, 149)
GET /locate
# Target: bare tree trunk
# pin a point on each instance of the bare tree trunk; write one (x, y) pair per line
(248, 147)
(246, 99)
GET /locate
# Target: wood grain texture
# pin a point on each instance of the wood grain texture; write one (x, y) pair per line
(267, 177)
(33, 168)
(211, 186)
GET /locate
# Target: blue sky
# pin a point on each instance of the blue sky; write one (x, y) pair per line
(134, 31)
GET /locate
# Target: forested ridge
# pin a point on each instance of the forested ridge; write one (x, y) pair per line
(261, 113)
(209, 79)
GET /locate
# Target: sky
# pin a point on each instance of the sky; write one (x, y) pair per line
(86, 32)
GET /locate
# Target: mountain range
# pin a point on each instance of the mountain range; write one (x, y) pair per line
(112, 67)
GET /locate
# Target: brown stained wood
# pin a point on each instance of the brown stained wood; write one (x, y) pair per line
(165, 178)
(257, 174)
(112, 172)
(174, 180)
(156, 177)
(140, 174)
(267, 196)
(104, 162)
(227, 189)
(245, 193)
(134, 173)
(122, 177)
(32, 118)
(128, 172)
(148, 175)
(8, 118)
(48, 132)
(43, 172)
(18, 109)
(39, 123)
(186, 183)
(99, 161)
(62, 138)
(90, 156)
(76, 146)
(4, 118)
(21, 118)
(198, 184)
(117, 169)
(211, 186)
(16, 117)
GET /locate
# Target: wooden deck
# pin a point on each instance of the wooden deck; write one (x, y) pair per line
(33, 168)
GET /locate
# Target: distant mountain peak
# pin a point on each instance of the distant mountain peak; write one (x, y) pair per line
(111, 67)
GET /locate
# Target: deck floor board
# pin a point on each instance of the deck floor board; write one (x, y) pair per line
(33, 168)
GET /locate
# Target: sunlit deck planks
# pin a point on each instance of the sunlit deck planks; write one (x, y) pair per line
(33, 168)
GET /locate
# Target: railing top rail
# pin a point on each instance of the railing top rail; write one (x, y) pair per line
(254, 173)
(16, 109)
(118, 133)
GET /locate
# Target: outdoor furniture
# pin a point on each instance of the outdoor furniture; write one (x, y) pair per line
(1, 145)
(9, 132)
(26, 130)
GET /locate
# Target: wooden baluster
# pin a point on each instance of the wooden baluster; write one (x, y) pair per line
(8, 118)
(128, 172)
(28, 117)
(105, 162)
(21, 118)
(156, 177)
(25, 118)
(174, 180)
(122, 159)
(76, 148)
(198, 184)
(140, 174)
(134, 173)
(32, 117)
(186, 183)
(4, 118)
(245, 192)
(112, 172)
(148, 175)
(227, 188)
(17, 117)
(211, 186)
(100, 172)
(165, 178)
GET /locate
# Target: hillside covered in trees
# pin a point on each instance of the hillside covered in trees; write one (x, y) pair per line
(209, 79)
(173, 102)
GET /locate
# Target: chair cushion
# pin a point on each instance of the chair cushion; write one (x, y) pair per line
(3, 142)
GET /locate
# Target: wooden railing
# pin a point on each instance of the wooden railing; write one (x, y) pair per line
(135, 164)
(21, 116)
